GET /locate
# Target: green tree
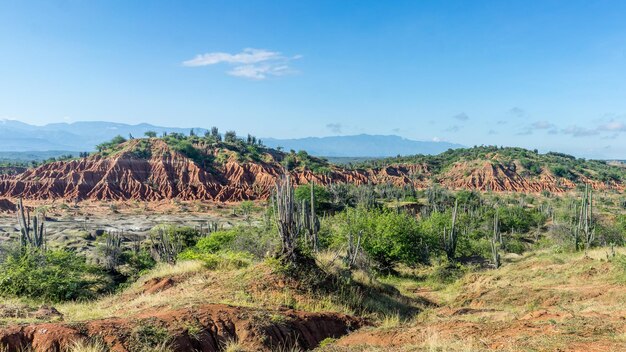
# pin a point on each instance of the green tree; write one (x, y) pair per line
(230, 137)
(320, 195)
(54, 275)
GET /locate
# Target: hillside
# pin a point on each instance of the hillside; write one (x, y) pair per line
(538, 301)
(492, 168)
(174, 167)
(200, 168)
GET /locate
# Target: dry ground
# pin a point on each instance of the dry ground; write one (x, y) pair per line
(538, 302)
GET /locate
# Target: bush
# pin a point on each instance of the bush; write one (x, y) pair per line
(519, 219)
(259, 242)
(187, 235)
(222, 260)
(447, 273)
(514, 245)
(389, 238)
(321, 196)
(148, 336)
(254, 242)
(56, 275)
(216, 241)
(138, 263)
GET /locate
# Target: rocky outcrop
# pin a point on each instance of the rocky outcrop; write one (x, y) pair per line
(168, 174)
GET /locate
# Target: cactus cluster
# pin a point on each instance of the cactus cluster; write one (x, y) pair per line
(32, 231)
(585, 227)
(450, 237)
(293, 219)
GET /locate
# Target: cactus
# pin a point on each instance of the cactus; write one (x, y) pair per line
(353, 248)
(211, 226)
(31, 236)
(287, 218)
(166, 246)
(450, 239)
(495, 241)
(586, 227)
(310, 221)
(112, 250)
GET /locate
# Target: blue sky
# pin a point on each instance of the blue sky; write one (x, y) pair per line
(538, 74)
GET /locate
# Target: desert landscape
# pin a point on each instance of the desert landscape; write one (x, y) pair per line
(235, 246)
(312, 175)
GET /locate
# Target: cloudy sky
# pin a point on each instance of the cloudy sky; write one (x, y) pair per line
(538, 74)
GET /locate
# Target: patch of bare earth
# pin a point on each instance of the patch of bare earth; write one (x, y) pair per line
(202, 328)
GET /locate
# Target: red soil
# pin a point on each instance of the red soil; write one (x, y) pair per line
(214, 325)
(168, 174)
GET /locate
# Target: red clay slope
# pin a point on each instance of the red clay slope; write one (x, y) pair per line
(167, 174)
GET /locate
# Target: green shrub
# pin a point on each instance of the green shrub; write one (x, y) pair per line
(260, 242)
(147, 336)
(187, 235)
(389, 237)
(55, 275)
(216, 241)
(519, 219)
(447, 273)
(138, 263)
(222, 260)
(514, 245)
(321, 196)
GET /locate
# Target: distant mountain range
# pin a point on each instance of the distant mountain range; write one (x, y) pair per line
(16, 136)
(362, 145)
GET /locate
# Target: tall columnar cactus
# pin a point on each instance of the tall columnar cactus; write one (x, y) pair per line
(310, 221)
(287, 218)
(354, 246)
(211, 226)
(495, 241)
(31, 236)
(112, 251)
(450, 238)
(166, 246)
(586, 226)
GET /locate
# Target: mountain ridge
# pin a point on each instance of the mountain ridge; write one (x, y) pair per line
(206, 168)
(361, 145)
(80, 136)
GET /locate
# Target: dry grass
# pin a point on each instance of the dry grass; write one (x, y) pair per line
(186, 267)
(233, 346)
(95, 346)
(391, 321)
(541, 301)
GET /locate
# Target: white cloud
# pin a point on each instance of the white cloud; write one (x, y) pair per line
(614, 126)
(259, 71)
(247, 56)
(250, 63)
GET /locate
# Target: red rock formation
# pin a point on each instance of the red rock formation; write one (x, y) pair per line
(168, 174)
